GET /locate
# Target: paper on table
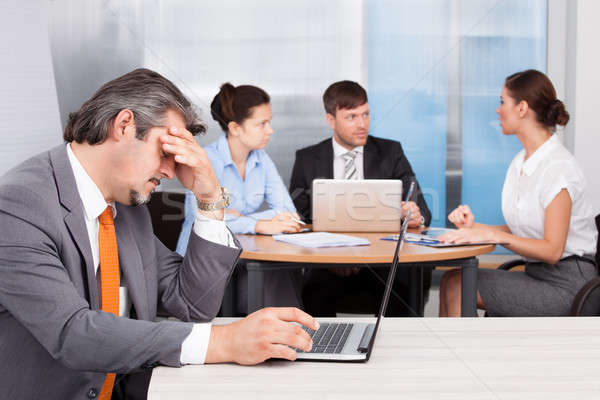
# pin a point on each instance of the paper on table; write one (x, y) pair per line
(429, 238)
(321, 239)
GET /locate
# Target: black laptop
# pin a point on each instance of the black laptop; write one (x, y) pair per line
(348, 341)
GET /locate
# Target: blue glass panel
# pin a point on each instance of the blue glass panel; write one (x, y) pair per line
(407, 44)
(410, 48)
(509, 38)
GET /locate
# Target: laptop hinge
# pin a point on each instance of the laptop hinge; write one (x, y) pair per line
(363, 346)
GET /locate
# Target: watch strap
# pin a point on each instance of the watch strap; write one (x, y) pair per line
(215, 205)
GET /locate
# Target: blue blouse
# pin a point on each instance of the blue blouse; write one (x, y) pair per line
(262, 183)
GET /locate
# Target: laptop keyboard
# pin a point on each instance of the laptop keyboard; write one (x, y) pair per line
(330, 338)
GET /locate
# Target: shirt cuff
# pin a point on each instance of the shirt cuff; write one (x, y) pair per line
(213, 230)
(194, 347)
(241, 223)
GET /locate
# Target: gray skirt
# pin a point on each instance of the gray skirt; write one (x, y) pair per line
(542, 290)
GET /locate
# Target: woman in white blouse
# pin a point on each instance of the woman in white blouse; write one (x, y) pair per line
(549, 220)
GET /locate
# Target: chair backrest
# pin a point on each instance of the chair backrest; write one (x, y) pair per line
(167, 214)
(598, 241)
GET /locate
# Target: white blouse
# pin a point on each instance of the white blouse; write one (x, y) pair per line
(531, 185)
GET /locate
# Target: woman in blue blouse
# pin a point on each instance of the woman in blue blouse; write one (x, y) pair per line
(245, 169)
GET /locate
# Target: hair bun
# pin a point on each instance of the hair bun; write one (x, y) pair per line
(556, 114)
(227, 96)
(221, 108)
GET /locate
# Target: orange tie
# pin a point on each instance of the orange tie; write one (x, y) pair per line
(109, 279)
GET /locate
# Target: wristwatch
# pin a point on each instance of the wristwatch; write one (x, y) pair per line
(422, 221)
(215, 205)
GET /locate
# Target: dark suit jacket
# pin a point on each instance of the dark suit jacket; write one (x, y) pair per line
(55, 342)
(383, 159)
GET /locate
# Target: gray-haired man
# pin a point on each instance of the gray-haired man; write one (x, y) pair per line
(57, 340)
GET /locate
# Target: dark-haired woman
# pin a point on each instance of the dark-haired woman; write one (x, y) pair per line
(549, 220)
(246, 170)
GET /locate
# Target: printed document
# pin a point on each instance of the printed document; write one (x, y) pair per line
(321, 239)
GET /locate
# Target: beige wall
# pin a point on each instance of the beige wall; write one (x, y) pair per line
(574, 67)
(587, 95)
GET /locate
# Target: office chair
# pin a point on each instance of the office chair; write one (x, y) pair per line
(580, 306)
(167, 215)
(167, 212)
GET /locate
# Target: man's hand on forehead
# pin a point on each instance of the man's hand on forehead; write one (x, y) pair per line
(193, 166)
(178, 142)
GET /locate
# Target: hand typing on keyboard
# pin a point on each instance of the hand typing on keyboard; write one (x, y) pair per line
(264, 334)
(329, 338)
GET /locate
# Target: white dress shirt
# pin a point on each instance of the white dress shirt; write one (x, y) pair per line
(338, 160)
(194, 347)
(532, 184)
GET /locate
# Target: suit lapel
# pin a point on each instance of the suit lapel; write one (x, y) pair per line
(371, 160)
(73, 216)
(324, 160)
(130, 262)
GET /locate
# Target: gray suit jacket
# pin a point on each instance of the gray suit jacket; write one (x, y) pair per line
(55, 342)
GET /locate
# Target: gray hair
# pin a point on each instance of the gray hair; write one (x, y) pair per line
(146, 93)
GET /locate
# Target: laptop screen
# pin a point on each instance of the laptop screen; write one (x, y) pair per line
(364, 205)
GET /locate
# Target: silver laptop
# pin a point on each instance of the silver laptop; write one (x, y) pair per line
(365, 205)
(351, 342)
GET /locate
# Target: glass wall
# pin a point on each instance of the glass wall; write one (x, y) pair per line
(433, 69)
(436, 69)
(408, 46)
(293, 49)
(507, 38)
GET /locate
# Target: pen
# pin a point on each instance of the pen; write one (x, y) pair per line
(298, 221)
(411, 188)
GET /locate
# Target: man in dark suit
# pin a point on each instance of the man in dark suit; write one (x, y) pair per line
(352, 154)
(82, 277)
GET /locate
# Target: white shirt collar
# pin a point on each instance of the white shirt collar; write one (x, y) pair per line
(91, 196)
(339, 150)
(529, 166)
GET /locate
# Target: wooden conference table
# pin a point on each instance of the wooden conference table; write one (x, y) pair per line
(420, 358)
(262, 253)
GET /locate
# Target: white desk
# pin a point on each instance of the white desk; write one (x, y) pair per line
(421, 358)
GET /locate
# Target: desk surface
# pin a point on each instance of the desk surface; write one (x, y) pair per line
(265, 248)
(421, 358)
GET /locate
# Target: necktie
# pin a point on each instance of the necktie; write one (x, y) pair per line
(350, 171)
(109, 279)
